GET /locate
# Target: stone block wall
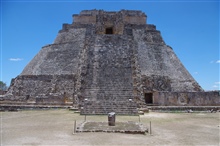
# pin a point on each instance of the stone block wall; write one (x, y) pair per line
(2, 92)
(74, 35)
(135, 19)
(211, 98)
(114, 20)
(55, 59)
(156, 83)
(57, 89)
(86, 19)
(52, 99)
(109, 21)
(156, 58)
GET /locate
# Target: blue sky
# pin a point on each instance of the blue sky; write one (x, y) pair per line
(191, 28)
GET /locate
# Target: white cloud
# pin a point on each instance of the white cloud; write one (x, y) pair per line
(218, 61)
(196, 73)
(214, 86)
(16, 59)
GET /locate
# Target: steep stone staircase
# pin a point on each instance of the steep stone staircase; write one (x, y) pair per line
(108, 79)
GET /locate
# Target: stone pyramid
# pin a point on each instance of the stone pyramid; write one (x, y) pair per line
(103, 62)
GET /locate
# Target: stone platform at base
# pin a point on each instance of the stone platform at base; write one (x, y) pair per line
(18, 107)
(181, 108)
(129, 127)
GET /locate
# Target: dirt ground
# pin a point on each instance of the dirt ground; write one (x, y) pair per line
(55, 127)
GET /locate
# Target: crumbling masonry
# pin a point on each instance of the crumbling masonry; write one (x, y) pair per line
(108, 61)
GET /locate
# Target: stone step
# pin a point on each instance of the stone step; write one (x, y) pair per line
(123, 96)
(110, 89)
(107, 91)
(99, 107)
(107, 94)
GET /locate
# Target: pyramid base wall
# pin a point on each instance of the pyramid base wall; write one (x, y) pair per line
(41, 89)
(53, 90)
(211, 98)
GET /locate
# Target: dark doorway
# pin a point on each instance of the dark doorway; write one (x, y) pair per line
(148, 98)
(109, 30)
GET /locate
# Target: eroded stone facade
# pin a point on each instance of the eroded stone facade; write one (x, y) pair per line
(104, 62)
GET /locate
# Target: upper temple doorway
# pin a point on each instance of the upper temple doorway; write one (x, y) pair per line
(109, 30)
(148, 97)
